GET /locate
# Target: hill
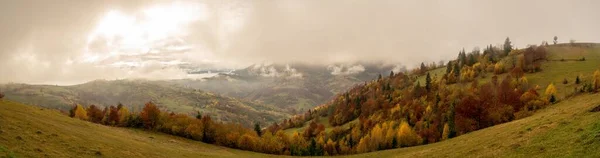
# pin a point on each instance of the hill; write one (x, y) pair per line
(566, 129)
(474, 92)
(296, 87)
(134, 93)
(29, 131)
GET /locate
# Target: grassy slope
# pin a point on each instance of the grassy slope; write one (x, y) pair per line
(61, 136)
(566, 129)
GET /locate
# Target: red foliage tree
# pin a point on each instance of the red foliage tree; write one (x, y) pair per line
(150, 115)
(95, 114)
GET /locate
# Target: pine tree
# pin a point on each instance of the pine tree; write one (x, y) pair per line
(198, 115)
(451, 124)
(507, 46)
(449, 67)
(257, 129)
(428, 82)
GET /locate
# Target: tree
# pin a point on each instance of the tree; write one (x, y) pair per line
(507, 46)
(449, 67)
(498, 68)
(551, 93)
(113, 116)
(80, 113)
(95, 114)
(150, 115)
(209, 130)
(445, 132)
(407, 136)
(1, 95)
(198, 115)
(124, 115)
(555, 40)
(391, 74)
(596, 79)
(428, 82)
(257, 129)
(423, 68)
(577, 80)
(517, 72)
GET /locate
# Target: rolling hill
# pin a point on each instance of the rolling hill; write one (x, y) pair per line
(566, 129)
(134, 93)
(296, 87)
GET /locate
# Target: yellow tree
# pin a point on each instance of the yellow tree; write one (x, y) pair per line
(596, 79)
(446, 131)
(80, 113)
(407, 136)
(124, 114)
(551, 93)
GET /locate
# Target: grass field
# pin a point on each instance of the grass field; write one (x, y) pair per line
(322, 120)
(29, 131)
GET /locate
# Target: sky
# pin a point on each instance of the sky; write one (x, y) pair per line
(70, 42)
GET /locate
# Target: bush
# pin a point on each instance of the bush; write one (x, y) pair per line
(565, 81)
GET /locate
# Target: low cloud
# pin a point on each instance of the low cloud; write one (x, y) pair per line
(345, 70)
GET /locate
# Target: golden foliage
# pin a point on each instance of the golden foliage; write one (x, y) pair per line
(550, 90)
(80, 113)
(407, 136)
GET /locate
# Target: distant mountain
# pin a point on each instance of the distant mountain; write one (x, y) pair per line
(134, 93)
(296, 87)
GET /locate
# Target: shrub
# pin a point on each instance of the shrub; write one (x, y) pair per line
(565, 81)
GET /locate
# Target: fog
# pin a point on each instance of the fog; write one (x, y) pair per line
(71, 42)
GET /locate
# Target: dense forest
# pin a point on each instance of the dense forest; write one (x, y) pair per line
(477, 90)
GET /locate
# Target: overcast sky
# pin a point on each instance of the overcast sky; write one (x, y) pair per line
(70, 42)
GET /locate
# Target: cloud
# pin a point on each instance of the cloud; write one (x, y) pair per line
(49, 41)
(346, 70)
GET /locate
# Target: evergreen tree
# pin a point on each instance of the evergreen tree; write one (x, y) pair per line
(456, 71)
(507, 46)
(312, 147)
(451, 124)
(449, 67)
(257, 129)
(423, 68)
(428, 82)
(198, 115)
(577, 80)
(391, 74)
